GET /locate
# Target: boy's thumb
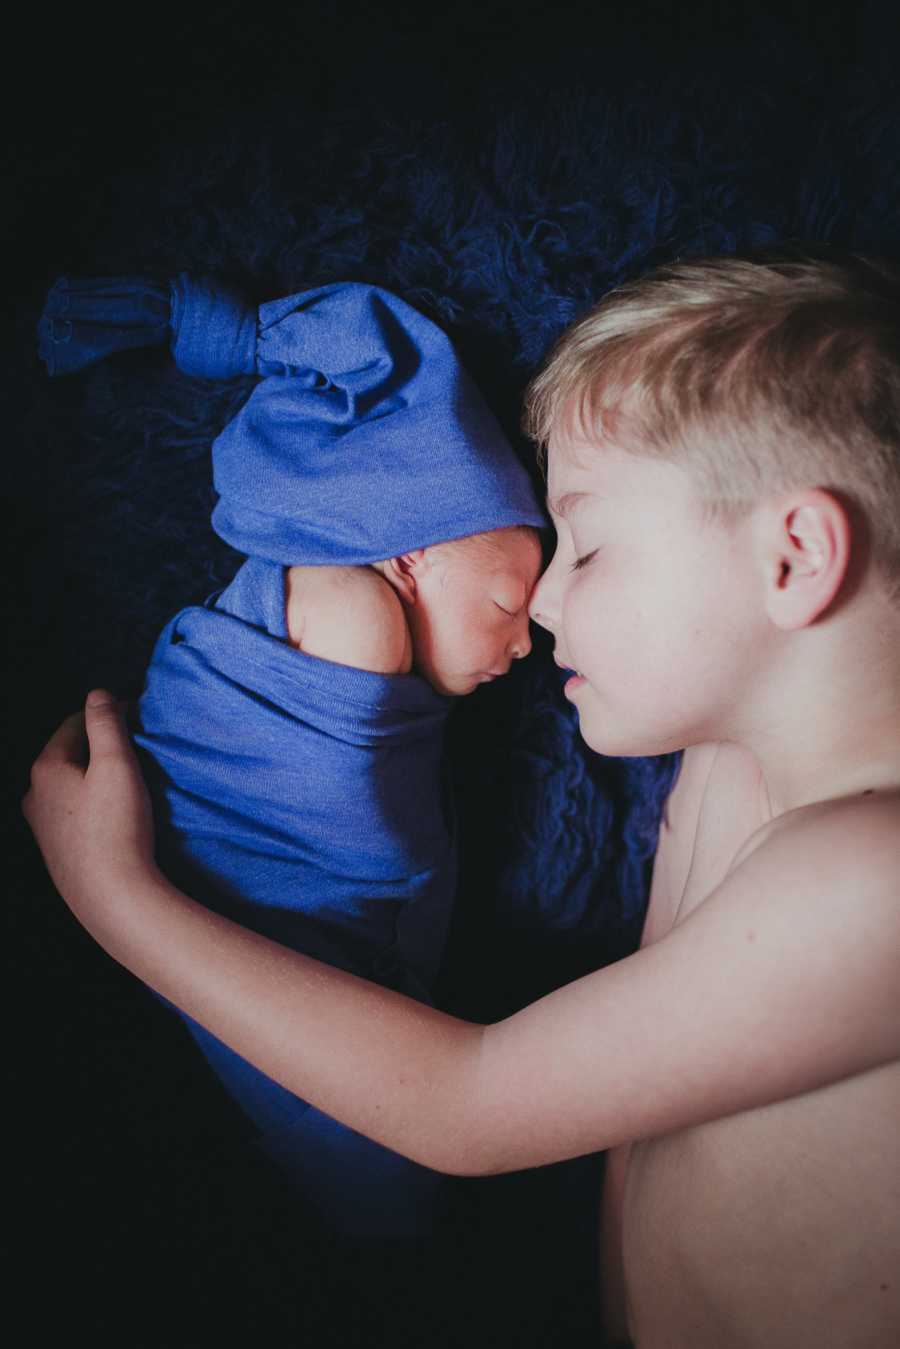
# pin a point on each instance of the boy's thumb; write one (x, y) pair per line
(104, 721)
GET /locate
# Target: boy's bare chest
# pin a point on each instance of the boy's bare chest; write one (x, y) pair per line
(775, 1227)
(727, 811)
(785, 1219)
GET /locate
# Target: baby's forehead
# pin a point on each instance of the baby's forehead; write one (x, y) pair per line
(495, 542)
(515, 552)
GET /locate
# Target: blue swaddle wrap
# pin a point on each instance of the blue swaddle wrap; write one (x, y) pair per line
(306, 801)
(303, 798)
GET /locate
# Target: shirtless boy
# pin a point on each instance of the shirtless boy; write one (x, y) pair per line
(724, 474)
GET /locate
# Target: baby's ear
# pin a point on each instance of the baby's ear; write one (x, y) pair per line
(806, 541)
(404, 573)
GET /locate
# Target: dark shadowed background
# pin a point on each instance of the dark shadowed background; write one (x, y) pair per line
(500, 166)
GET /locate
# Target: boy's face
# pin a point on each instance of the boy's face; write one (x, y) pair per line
(470, 619)
(655, 608)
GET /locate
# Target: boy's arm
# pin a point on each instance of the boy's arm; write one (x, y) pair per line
(782, 981)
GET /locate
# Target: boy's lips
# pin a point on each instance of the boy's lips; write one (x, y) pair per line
(573, 680)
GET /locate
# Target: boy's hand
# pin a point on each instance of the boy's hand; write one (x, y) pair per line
(88, 807)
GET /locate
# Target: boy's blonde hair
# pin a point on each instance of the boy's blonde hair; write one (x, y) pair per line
(759, 375)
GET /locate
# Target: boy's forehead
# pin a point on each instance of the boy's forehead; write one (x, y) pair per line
(570, 446)
(578, 467)
(574, 463)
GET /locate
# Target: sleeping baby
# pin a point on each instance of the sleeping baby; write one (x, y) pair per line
(292, 726)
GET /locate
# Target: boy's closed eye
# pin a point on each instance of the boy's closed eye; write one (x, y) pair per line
(583, 560)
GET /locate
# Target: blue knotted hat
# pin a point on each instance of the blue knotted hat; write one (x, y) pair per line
(364, 437)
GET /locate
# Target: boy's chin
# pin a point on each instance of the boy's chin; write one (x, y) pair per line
(624, 745)
(600, 744)
(619, 742)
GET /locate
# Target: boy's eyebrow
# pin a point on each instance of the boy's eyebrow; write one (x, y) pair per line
(566, 503)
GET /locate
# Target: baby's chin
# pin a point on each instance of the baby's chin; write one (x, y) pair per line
(461, 685)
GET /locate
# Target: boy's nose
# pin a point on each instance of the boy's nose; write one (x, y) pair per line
(542, 606)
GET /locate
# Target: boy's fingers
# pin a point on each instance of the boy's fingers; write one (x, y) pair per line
(107, 733)
(67, 745)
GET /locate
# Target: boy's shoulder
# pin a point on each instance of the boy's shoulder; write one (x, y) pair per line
(846, 847)
(816, 891)
(798, 945)
(717, 840)
(348, 615)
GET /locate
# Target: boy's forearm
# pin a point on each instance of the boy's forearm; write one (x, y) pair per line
(396, 1070)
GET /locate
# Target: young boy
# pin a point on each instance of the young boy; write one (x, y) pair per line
(724, 471)
(293, 726)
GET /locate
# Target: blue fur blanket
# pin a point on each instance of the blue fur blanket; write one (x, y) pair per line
(500, 169)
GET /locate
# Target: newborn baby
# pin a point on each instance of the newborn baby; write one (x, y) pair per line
(293, 725)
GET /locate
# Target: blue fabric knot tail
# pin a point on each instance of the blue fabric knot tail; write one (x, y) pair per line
(88, 319)
(211, 328)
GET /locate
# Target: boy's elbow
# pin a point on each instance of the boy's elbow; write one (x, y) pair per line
(464, 1129)
(449, 1150)
(473, 1161)
(470, 1148)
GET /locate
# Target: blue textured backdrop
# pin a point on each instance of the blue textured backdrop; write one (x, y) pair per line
(500, 167)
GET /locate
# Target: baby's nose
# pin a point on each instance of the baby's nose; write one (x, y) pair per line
(521, 642)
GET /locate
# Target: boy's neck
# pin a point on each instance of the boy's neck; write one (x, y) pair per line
(827, 722)
(792, 781)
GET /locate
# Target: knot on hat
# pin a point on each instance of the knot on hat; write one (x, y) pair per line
(213, 328)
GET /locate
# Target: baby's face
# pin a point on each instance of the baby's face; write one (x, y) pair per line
(470, 620)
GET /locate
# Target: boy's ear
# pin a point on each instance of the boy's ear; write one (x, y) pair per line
(807, 553)
(404, 573)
